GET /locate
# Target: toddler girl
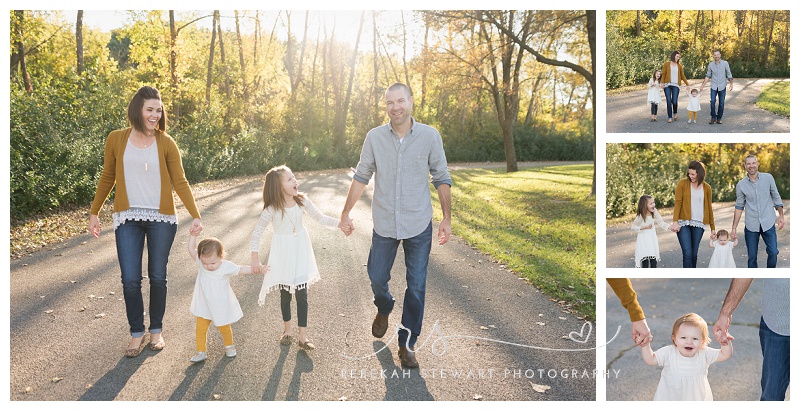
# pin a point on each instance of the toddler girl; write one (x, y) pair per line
(686, 361)
(213, 299)
(693, 106)
(654, 94)
(291, 258)
(647, 254)
(723, 251)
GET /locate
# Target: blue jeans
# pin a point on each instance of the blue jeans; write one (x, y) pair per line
(770, 240)
(379, 266)
(775, 369)
(672, 93)
(130, 249)
(716, 114)
(689, 238)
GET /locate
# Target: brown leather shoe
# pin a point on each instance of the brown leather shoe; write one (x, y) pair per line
(712, 121)
(408, 359)
(379, 325)
(719, 121)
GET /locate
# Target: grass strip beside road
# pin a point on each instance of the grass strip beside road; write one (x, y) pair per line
(775, 98)
(538, 222)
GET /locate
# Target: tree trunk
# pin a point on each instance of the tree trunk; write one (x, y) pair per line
(79, 41)
(222, 60)
(376, 112)
(211, 56)
(341, 114)
(405, 59)
(765, 58)
(591, 35)
(19, 59)
(173, 70)
(241, 59)
(638, 23)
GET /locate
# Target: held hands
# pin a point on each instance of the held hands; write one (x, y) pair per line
(196, 228)
(640, 333)
(721, 329)
(675, 227)
(256, 266)
(346, 224)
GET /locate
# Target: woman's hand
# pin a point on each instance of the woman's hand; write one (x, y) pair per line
(196, 228)
(94, 225)
(675, 227)
(255, 264)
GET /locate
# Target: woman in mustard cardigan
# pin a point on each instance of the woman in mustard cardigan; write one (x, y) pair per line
(692, 212)
(671, 77)
(144, 163)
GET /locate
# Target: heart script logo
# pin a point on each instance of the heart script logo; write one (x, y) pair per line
(575, 336)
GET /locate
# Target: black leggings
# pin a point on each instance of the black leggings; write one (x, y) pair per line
(653, 108)
(302, 306)
(649, 262)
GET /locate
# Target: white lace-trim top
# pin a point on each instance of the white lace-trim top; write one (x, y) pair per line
(143, 214)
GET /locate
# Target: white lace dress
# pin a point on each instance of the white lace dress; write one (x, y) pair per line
(653, 92)
(684, 378)
(722, 256)
(213, 297)
(291, 257)
(647, 239)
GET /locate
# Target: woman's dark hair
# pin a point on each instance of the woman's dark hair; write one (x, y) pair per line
(672, 56)
(135, 118)
(699, 168)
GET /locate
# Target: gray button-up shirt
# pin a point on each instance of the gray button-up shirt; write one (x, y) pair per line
(401, 203)
(759, 199)
(719, 73)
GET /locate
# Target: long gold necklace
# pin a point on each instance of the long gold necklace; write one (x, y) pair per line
(149, 148)
(294, 227)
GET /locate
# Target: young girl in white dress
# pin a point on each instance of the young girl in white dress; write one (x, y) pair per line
(293, 267)
(686, 361)
(723, 251)
(647, 216)
(213, 299)
(654, 94)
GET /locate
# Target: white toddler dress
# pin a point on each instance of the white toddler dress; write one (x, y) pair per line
(693, 104)
(722, 256)
(291, 257)
(213, 297)
(684, 378)
(647, 240)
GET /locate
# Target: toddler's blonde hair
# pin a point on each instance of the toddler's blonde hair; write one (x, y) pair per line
(693, 320)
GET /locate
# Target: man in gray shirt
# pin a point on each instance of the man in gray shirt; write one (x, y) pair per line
(403, 155)
(773, 332)
(719, 72)
(758, 194)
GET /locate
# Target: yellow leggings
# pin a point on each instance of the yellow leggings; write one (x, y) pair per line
(693, 115)
(202, 330)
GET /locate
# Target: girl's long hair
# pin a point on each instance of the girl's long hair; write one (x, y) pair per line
(272, 193)
(642, 207)
(654, 74)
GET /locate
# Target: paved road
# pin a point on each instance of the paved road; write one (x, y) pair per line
(663, 301)
(630, 113)
(68, 327)
(621, 242)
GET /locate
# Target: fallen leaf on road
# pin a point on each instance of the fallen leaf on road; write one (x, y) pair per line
(540, 323)
(484, 328)
(491, 326)
(57, 379)
(48, 312)
(27, 390)
(111, 293)
(101, 315)
(539, 388)
(82, 309)
(478, 397)
(342, 398)
(216, 396)
(562, 318)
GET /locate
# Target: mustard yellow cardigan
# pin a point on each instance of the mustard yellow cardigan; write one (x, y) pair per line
(172, 175)
(627, 296)
(683, 203)
(665, 75)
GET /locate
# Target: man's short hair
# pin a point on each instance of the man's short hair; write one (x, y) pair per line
(396, 86)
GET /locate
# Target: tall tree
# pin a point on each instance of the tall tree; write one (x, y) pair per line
(340, 117)
(79, 41)
(18, 58)
(211, 56)
(241, 58)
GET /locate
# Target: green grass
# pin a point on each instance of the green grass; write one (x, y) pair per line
(539, 222)
(775, 98)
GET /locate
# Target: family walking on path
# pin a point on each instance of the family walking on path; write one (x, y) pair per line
(144, 211)
(688, 362)
(337, 327)
(757, 197)
(624, 115)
